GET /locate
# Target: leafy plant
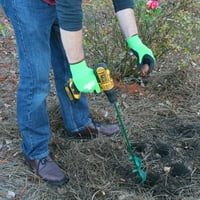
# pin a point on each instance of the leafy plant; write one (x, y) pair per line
(162, 29)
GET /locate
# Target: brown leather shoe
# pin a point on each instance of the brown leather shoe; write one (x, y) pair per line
(93, 130)
(48, 170)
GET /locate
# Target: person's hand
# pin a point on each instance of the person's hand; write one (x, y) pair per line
(146, 60)
(84, 78)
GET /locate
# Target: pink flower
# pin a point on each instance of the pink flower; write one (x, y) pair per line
(153, 4)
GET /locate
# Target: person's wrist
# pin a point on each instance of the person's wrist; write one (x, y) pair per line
(134, 41)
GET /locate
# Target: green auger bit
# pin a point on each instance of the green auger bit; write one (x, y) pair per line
(137, 161)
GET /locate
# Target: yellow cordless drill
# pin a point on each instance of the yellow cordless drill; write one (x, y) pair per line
(104, 79)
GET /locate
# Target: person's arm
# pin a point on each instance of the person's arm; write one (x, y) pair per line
(83, 76)
(125, 14)
(70, 20)
(128, 25)
(127, 22)
(72, 42)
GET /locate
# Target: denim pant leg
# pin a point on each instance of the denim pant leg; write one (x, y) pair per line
(32, 21)
(75, 115)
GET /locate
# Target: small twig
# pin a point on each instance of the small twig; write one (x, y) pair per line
(100, 157)
(193, 171)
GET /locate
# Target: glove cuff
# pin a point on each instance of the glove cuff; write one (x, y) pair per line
(134, 41)
(78, 67)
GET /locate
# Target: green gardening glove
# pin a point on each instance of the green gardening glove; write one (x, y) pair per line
(84, 78)
(142, 52)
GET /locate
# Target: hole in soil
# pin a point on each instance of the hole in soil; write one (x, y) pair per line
(139, 146)
(179, 169)
(162, 149)
(152, 179)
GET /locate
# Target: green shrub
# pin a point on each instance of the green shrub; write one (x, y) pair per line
(168, 28)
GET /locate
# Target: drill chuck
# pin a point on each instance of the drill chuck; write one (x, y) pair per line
(105, 82)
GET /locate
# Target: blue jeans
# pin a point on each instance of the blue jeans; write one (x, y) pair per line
(39, 47)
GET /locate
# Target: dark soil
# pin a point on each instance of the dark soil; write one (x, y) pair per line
(162, 120)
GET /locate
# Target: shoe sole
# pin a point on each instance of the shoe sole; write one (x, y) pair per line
(79, 138)
(91, 138)
(57, 183)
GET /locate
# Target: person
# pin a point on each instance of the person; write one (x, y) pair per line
(40, 46)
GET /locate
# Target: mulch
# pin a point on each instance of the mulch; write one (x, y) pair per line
(162, 121)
